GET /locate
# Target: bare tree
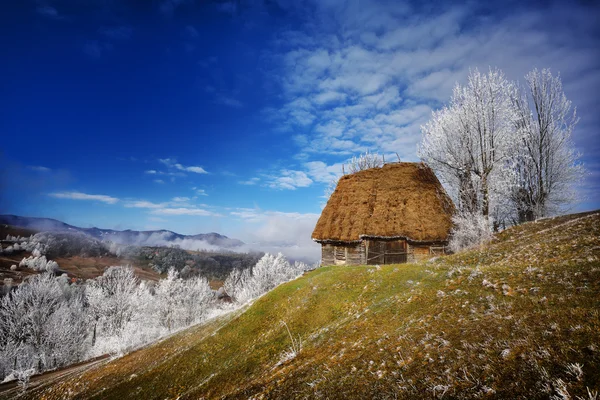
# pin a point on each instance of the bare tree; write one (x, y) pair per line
(546, 163)
(469, 142)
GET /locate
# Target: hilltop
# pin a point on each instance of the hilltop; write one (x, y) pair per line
(517, 318)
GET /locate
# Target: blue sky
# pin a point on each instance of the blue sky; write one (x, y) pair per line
(233, 117)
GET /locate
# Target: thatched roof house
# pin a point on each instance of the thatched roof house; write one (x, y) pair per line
(396, 213)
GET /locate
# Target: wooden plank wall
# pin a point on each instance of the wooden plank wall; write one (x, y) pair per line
(385, 251)
(327, 254)
(372, 252)
(418, 253)
(353, 254)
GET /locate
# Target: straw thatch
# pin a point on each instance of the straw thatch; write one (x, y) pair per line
(398, 200)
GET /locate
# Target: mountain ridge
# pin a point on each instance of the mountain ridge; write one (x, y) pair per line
(128, 236)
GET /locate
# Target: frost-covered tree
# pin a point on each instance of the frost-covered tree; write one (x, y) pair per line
(39, 263)
(182, 302)
(42, 326)
(545, 164)
(110, 298)
(268, 272)
(469, 142)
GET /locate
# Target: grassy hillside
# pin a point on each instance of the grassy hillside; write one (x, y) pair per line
(516, 319)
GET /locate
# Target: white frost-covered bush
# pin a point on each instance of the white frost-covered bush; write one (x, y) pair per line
(269, 272)
(39, 263)
(469, 230)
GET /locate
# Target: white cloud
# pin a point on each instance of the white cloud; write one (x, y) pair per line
(160, 181)
(197, 170)
(290, 179)
(151, 172)
(180, 199)
(251, 181)
(276, 231)
(323, 173)
(184, 211)
(84, 196)
(356, 79)
(143, 204)
(172, 163)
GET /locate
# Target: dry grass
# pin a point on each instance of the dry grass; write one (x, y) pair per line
(398, 199)
(516, 319)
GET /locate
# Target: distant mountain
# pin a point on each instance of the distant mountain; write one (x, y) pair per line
(139, 238)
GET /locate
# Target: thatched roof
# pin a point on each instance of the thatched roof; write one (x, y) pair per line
(398, 200)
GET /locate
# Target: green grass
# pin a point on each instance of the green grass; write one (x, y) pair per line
(509, 320)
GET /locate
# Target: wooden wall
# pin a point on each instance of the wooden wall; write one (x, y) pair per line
(340, 254)
(327, 254)
(376, 252)
(385, 251)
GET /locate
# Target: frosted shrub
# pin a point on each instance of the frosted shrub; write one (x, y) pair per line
(39, 264)
(469, 230)
(269, 272)
(365, 161)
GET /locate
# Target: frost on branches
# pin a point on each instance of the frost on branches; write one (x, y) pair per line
(546, 164)
(469, 230)
(48, 322)
(364, 161)
(269, 272)
(469, 142)
(502, 151)
(39, 263)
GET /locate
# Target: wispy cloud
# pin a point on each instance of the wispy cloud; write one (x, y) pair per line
(228, 101)
(191, 31)
(39, 168)
(289, 179)
(49, 12)
(122, 32)
(95, 48)
(180, 199)
(142, 204)
(172, 163)
(184, 211)
(168, 7)
(374, 85)
(85, 196)
(160, 181)
(229, 7)
(251, 181)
